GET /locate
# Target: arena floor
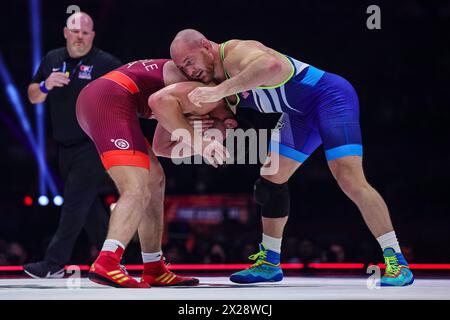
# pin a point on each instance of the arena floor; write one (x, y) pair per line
(220, 288)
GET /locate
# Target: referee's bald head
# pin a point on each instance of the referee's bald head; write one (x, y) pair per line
(79, 19)
(79, 33)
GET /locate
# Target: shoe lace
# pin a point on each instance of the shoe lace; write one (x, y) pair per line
(259, 257)
(166, 265)
(392, 266)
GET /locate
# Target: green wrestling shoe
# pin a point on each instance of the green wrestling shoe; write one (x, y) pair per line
(265, 269)
(397, 272)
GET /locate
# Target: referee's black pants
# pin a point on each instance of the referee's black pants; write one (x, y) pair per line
(84, 177)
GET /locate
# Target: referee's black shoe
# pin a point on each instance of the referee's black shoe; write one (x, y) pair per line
(44, 269)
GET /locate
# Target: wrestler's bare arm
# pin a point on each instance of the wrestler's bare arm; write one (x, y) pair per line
(251, 65)
(171, 103)
(163, 142)
(172, 100)
(169, 106)
(179, 92)
(172, 74)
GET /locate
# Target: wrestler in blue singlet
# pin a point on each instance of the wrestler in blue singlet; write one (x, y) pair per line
(318, 107)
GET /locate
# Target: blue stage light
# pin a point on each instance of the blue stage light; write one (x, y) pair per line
(19, 109)
(35, 29)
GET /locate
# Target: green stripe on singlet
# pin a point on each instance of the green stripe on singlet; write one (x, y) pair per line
(222, 57)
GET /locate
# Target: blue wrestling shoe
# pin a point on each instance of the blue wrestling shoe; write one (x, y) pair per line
(265, 269)
(397, 272)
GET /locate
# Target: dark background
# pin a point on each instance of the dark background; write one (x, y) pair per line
(400, 72)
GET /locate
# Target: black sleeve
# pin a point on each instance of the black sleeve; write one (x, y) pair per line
(111, 62)
(42, 72)
(116, 62)
(106, 62)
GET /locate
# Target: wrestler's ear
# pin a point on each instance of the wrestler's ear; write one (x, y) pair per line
(206, 44)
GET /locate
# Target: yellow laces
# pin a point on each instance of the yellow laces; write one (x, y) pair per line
(392, 267)
(259, 257)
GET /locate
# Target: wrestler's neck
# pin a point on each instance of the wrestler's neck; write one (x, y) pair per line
(219, 73)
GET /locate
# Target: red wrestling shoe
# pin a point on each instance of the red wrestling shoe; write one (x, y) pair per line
(158, 274)
(107, 271)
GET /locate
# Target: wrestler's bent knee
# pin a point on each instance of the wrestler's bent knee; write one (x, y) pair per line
(273, 198)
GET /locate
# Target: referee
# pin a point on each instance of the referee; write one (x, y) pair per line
(61, 76)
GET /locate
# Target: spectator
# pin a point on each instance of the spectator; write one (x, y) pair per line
(336, 253)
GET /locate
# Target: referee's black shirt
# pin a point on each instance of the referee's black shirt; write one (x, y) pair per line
(62, 100)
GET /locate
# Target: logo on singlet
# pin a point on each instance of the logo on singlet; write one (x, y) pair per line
(121, 143)
(147, 64)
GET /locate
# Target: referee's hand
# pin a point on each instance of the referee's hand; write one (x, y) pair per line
(56, 79)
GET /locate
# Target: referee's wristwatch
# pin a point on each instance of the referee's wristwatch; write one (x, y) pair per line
(42, 87)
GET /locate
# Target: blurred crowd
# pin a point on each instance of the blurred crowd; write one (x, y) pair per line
(222, 248)
(12, 253)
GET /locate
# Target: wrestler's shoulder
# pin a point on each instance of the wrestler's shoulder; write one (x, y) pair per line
(55, 54)
(240, 43)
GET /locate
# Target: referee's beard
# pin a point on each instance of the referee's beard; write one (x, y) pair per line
(78, 49)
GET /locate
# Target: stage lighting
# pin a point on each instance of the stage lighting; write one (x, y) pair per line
(43, 200)
(28, 201)
(58, 200)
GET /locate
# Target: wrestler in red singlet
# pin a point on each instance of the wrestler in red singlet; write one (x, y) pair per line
(108, 110)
